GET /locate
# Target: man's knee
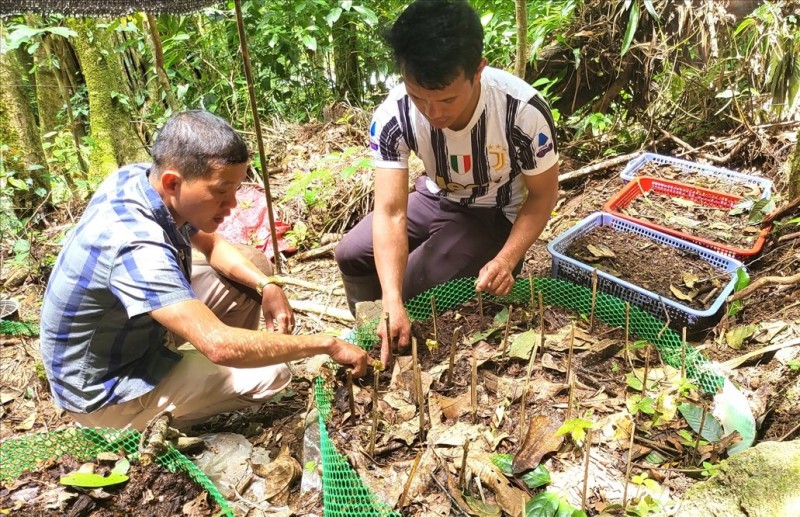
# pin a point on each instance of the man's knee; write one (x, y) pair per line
(257, 257)
(263, 383)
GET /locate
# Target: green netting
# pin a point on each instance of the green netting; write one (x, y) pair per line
(18, 328)
(344, 494)
(18, 455)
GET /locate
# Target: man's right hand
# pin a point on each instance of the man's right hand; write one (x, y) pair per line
(400, 331)
(350, 355)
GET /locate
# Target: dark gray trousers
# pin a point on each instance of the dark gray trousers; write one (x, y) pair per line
(445, 241)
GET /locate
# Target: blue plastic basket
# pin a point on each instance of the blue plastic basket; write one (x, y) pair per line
(631, 171)
(680, 315)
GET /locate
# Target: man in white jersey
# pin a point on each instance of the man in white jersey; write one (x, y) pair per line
(487, 140)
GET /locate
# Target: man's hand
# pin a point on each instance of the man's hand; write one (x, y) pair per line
(350, 355)
(496, 277)
(400, 331)
(278, 313)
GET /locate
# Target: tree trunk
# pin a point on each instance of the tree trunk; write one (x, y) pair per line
(345, 59)
(115, 140)
(152, 36)
(24, 156)
(793, 171)
(522, 38)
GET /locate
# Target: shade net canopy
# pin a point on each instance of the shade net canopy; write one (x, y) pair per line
(102, 7)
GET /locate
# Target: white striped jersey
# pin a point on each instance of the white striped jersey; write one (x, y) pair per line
(511, 133)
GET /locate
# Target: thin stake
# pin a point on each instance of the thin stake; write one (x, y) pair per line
(402, 501)
(533, 299)
(433, 316)
(480, 306)
(571, 380)
(452, 355)
(505, 334)
(571, 351)
(418, 389)
(700, 431)
(541, 321)
(462, 476)
(473, 390)
(627, 331)
(594, 300)
(374, 429)
(683, 353)
(586, 468)
(352, 395)
(628, 468)
(524, 401)
(646, 369)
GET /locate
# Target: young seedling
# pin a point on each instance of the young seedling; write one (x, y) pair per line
(586, 468)
(433, 317)
(628, 467)
(462, 476)
(473, 389)
(594, 300)
(480, 306)
(352, 395)
(453, 344)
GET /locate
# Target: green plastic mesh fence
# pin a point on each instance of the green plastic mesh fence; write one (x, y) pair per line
(344, 494)
(18, 328)
(18, 455)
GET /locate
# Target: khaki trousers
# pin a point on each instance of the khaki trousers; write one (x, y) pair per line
(197, 389)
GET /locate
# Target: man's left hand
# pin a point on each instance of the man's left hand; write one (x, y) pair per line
(278, 314)
(496, 277)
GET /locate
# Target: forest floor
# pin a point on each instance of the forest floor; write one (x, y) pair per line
(748, 345)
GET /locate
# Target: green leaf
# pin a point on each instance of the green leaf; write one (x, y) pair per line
(630, 30)
(92, 480)
(522, 345)
(65, 32)
(537, 477)
(648, 4)
(310, 42)
(501, 317)
(503, 462)
(482, 336)
(333, 16)
(543, 505)
(712, 429)
(736, 336)
(121, 467)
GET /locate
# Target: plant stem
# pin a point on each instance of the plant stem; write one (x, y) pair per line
(462, 476)
(628, 467)
(504, 343)
(627, 331)
(683, 353)
(374, 429)
(646, 369)
(473, 390)
(418, 389)
(586, 468)
(352, 395)
(533, 299)
(480, 307)
(402, 501)
(433, 316)
(594, 300)
(452, 356)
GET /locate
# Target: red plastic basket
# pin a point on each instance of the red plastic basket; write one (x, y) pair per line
(701, 196)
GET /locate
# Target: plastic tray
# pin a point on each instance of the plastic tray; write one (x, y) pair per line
(680, 315)
(701, 196)
(633, 166)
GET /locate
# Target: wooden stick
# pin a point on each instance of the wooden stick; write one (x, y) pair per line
(433, 316)
(586, 468)
(541, 321)
(628, 467)
(462, 476)
(646, 369)
(402, 501)
(453, 345)
(418, 389)
(480, 306)
(589, 169)
(504, 343)
(791, 431)
(699, 433)
(570, 376)
(287, 280)
(533, 299)
(594, 300)
(374, 429)
(316, 252)
(316, 308)
(683, 353)
(759, 283)
(571, 380)
(473, 390)
(352, 395)
(524, 400)
(627, 330)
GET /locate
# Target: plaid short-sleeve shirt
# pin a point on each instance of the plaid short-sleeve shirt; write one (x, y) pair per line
(125, 258)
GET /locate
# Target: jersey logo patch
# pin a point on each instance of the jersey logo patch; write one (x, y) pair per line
(373, 142)
(545, 146)
(498, 156)
(461, 163)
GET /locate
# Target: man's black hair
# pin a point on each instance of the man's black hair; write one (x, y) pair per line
(193, 141)
(433, 41)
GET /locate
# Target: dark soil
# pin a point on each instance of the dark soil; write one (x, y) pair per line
(680, 275)
(150, 490)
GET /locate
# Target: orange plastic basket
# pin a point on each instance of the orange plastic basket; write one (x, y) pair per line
(703, 197)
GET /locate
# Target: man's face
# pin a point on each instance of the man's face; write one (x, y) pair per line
(450, 107)
(206, 202)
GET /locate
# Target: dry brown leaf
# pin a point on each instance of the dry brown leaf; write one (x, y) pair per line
(509, 497)
(197, 507)
(279, 475)
(453, 408)
(540, 440)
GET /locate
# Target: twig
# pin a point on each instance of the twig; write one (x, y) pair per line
(789, 237)
(589, 169)
(646, 369)
(462, 476)
(352, 395)
(586, 468)
(683, 353)
(761, 282)
(571, 351)
(316, 252)
(433, 316)
(480, 306)
(330, 312)
(374, 429)
(533, 300)
(699, 433)
(628, 332)
(402, 501)
(738, 361)
(418, 389)
(628, 467)
(287, 280)
(524, 400)
(791, 432)
(505, 335)
(473, 390)
(452, 356)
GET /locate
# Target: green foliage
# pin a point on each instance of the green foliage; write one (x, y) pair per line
(535, 478)
(710, 469)
(793, 364)
(742, 281)
(317, 186)
(575, 428)
(548, 504)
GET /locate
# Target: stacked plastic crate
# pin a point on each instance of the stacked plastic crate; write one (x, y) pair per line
(722, 257)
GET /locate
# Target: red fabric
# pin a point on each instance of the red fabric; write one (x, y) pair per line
(249, 223)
